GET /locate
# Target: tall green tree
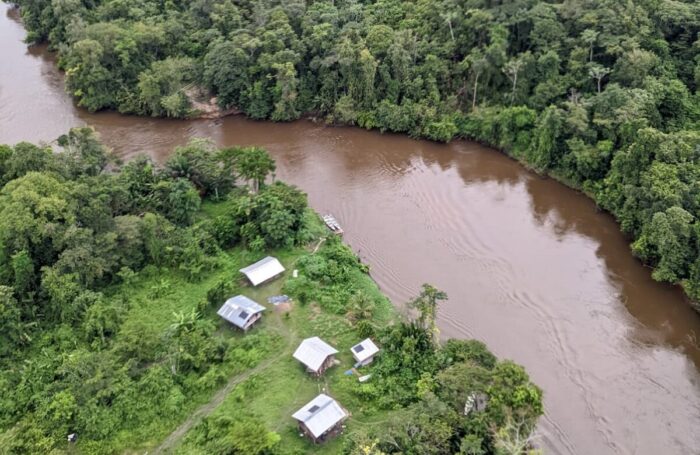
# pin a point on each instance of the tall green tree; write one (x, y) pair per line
(427, 306)
(253, 164)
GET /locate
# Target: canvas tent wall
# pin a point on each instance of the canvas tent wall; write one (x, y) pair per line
(241, 311)
(316, 354)
(320, 417)
(263, 270)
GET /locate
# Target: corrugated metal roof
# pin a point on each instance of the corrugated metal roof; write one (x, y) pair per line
(239, 309)
(263, 270)
(312, 352)
(320, 414)
(364, 350)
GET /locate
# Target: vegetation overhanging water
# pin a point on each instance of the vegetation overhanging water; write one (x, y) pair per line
(109, 332)
(602, 94)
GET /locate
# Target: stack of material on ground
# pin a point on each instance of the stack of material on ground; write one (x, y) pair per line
(278, 299)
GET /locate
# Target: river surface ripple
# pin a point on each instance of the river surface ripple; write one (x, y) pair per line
(531, 268)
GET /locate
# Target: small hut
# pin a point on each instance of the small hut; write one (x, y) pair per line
(241, 312)
(263, 270)
(321, 418)
(316, 355)
(364, 352)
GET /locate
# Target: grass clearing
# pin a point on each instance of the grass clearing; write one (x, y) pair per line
(282, 386)
(155, 295)
(278, 391)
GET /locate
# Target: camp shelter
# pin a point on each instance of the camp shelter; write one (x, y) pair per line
(321, 417)
(316, 355)
(241, 312)
(263, 270)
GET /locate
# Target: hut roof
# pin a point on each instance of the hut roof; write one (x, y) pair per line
(364, 350)
(312, 352)
(239, 309)
(263, 270)
(320, 415)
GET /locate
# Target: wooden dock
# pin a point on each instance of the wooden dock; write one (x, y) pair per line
(332, 224)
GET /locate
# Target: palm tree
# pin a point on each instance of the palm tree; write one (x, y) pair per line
(448, 17)
(360, 307)
(184, 323)
(598, 72)
(426, 303)
(477, 64)
(590, 36)
(512, 69)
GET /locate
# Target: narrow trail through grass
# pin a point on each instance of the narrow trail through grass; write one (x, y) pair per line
(173, 440)
(291, 386)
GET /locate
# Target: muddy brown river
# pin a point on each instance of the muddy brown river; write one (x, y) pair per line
(531, 268)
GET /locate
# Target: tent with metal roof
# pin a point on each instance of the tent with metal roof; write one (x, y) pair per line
(364, 352)
(263, 270)
(241, 311)
(320, 416)
(316, 354)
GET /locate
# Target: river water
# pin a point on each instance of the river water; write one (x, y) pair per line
(531, 268)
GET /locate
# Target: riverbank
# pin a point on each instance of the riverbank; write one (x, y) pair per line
(527, 258)
(519, 157)
(570, 142)
(112, 341)
(555, 120)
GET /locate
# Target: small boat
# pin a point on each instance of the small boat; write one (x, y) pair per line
(332, 224)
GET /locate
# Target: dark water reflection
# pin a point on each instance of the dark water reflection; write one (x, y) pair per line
(531, 268)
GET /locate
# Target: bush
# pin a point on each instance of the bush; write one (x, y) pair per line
(224, 435)
(301, 288)
(456, 351)
(222, 290)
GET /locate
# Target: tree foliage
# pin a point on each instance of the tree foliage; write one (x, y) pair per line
(433, 385)
(82, 356)
(71, 234)
(573, 88)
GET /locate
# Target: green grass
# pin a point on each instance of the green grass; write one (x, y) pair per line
(155, 295)
(281, 386)
(274, 394)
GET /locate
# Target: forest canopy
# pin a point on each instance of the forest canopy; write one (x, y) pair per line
(110, 278)
(602, 94)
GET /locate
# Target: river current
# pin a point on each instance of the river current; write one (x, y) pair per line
(531, 267)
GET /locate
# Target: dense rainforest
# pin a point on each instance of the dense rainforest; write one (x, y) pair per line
(602, 94)
(110, 278)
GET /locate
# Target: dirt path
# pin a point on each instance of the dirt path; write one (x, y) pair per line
(174, 438)
(320, 242)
